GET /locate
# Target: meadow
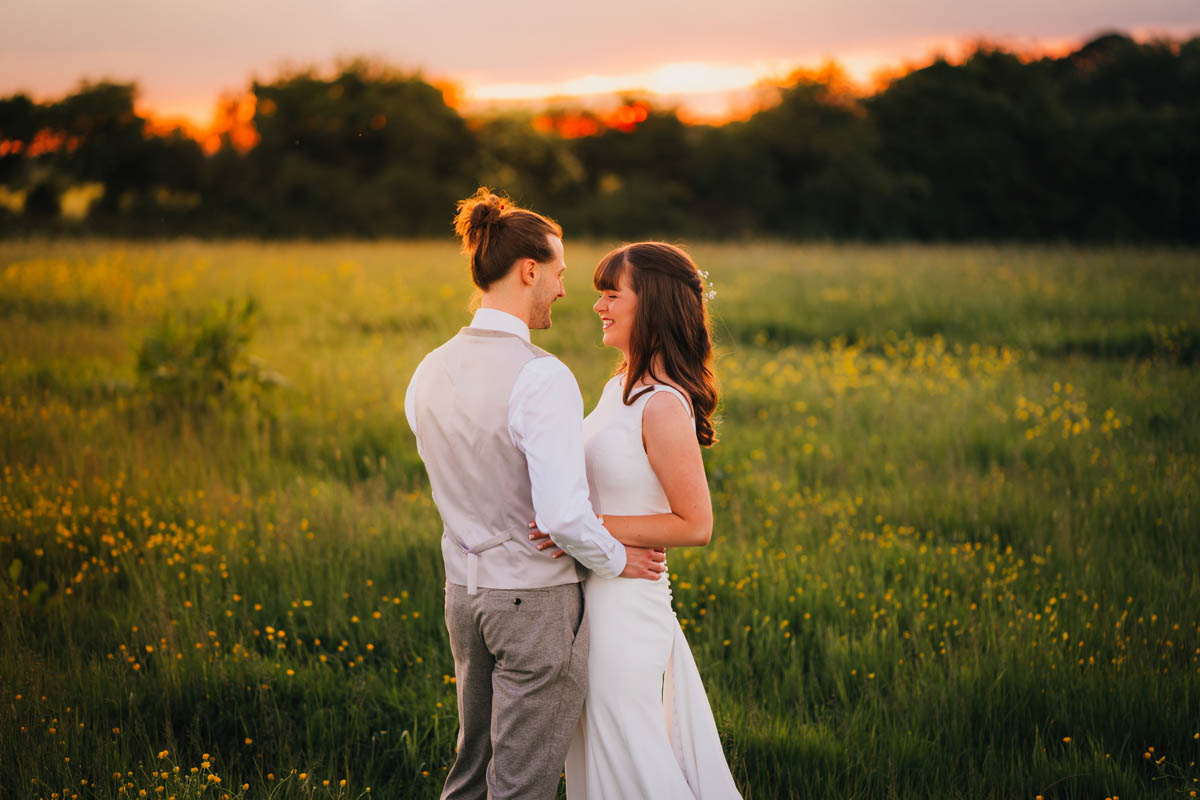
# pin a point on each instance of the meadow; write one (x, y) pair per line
(955, 551)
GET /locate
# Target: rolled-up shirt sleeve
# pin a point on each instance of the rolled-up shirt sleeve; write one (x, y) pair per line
(546, 424)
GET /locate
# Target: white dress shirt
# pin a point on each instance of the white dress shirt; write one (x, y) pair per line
(545, 422)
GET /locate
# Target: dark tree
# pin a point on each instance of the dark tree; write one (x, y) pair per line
(370, 152)
(42, 202)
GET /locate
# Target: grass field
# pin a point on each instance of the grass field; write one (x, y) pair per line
(956, 547)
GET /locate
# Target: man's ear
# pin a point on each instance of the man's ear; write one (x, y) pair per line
(528, 268)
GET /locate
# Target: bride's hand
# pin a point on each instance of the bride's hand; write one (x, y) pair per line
(535, 535)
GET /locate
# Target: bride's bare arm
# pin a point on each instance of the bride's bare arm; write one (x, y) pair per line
(670, 438)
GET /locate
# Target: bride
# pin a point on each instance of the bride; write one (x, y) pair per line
(647, 730)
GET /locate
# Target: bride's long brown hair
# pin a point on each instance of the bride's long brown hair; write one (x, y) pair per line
(670, 327)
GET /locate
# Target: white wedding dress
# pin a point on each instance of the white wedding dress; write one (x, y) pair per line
(647, 730)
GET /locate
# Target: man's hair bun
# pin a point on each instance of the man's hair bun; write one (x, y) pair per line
(475, 214)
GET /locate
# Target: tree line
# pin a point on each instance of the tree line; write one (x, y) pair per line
(1102, 144)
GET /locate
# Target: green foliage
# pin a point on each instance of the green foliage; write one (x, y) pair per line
(198, 364)
(538, 169)
(34, 595)
(370, 151)
(955, 500)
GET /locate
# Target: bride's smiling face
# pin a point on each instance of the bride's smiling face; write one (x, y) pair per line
(617, 308)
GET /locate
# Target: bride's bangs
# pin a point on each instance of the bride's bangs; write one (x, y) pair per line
(607, 277)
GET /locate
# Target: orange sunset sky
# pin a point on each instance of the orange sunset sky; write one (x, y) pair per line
(703, 55)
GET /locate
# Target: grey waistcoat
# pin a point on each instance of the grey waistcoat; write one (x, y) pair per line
(480, 480)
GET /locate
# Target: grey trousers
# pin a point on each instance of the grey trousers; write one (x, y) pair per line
(520, 666)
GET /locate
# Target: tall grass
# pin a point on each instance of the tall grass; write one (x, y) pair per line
(955, 549)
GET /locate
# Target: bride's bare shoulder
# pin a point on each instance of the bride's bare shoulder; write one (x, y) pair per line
(676, 391)
(667, 414)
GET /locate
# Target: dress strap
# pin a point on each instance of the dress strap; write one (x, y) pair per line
(662, 386)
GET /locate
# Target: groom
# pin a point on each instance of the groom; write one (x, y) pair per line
(498, 425)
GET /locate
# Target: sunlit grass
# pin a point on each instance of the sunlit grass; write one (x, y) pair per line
(954, 551)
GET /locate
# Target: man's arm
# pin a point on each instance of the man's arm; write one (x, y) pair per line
(546, 424)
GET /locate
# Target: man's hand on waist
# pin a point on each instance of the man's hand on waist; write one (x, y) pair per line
(648, 563)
